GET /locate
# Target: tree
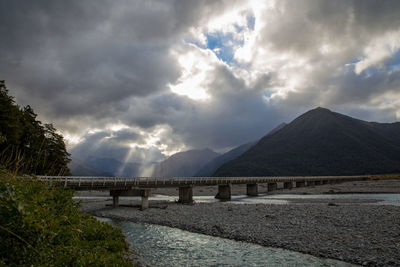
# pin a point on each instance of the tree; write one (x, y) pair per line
(56, 155)
(10, 113)
(26, 145)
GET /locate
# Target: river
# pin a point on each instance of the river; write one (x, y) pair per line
(378, 199)
(166, 246)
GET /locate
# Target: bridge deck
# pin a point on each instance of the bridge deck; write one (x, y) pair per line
(93, 183)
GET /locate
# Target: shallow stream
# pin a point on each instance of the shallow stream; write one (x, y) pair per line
(166, 246)
(376, 199)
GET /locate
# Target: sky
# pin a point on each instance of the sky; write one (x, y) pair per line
(141, 80)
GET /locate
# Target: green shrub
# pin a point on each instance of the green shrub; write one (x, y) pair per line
(41, 225)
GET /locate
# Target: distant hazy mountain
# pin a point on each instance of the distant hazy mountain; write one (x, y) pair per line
(321, 142)
(210, 168)
(186, 163)
(104, 167)
(79, 168)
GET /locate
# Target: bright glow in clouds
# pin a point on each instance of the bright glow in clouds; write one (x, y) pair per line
(244, 30)
(217, 74)
(118, 127)
(154, 140)
(193, 81)
(71, 140)
(388, 101)
(378, 51)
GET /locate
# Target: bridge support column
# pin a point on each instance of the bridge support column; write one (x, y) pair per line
(325, 181)
(224, 192)
(185, 195)
(252, 190)
(310, 183)
(287, 185)
(300, 184)
(144, 193)
(115, 201)
(145, 203)
(145, 199)
(272, 186)
(318, 182)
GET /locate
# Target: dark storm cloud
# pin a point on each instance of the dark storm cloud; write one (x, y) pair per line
(235, 115)
(86, 57)
(91, 64)
(327, 36)
(302, 26)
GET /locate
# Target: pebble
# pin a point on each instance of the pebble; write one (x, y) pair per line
(350, 232)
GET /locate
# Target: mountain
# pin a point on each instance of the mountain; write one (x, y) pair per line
(322, 142)
(389, 130)
(277, 128)
(209, 168)
(214, 164)
(186, 163)
(79, 168)
(115, 167)
(104, 167)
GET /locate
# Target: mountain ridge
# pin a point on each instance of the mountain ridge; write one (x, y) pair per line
(104, 167)
(186, 163)
(321, 142)
(210, 167)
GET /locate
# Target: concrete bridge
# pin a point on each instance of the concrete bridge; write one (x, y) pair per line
(141, 186)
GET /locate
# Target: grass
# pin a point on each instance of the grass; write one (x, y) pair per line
(40, 225)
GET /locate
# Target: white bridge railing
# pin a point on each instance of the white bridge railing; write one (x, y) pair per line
(93, 182)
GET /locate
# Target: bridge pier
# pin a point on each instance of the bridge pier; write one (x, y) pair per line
(145, 199)
(300, 184)
(115, 201)
(318, 182)
(325, 181)
(310, 183)
(185, 194)
(252, 190)
(272, 186)
(287, 185)
(144, 193)
(224, 192)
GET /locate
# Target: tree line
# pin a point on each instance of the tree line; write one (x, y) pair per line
(26, 145)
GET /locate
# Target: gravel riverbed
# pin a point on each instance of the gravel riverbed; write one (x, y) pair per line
(358, 232)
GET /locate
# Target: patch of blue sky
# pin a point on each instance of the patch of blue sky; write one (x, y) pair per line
(394, 61)
(223, 45)
(251, 22)
(392, 65)
(354, 61)
(267, 95)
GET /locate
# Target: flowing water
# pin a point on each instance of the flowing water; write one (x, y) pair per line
(166, 246)
(379, 199)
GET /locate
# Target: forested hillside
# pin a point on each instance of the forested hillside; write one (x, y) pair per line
(26, 145)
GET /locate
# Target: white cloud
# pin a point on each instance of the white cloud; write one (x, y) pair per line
(195, 64)
(378, 51)
(136, 80)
